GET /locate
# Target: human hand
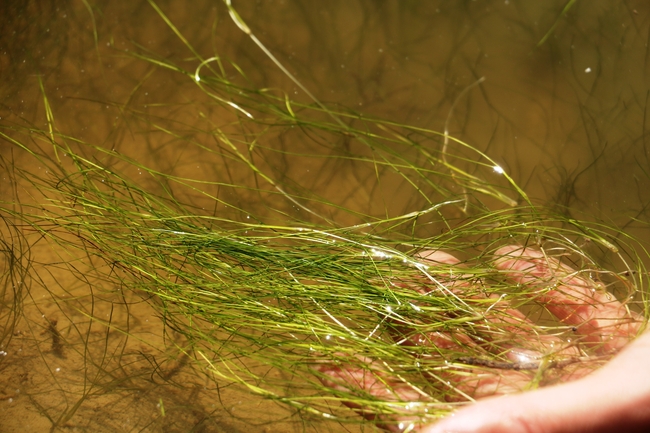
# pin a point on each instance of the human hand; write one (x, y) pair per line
(615, 398)
(600, 323)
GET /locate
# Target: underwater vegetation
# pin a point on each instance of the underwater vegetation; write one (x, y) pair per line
(187, 238)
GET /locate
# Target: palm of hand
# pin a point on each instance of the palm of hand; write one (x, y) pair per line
(601, 325)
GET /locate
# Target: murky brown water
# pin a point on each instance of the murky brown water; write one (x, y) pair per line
(567, 120)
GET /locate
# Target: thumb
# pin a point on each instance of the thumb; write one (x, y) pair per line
(549, 410)
(615, 398)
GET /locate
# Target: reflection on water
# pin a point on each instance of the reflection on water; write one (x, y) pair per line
(567, 120)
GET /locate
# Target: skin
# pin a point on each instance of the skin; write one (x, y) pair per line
(614, 398)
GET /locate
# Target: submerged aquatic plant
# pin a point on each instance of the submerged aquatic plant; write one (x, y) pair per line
(305, 300)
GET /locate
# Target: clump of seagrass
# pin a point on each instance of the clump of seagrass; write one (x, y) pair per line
(267, 306)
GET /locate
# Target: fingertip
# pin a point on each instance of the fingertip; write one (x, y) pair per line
(517, 258)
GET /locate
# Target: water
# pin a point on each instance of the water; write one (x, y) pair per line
(567, 120)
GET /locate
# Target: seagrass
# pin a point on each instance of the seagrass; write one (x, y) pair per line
(276, 279)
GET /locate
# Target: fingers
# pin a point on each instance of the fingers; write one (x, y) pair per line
(368, 379)
(504, 331)
(601, 320)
